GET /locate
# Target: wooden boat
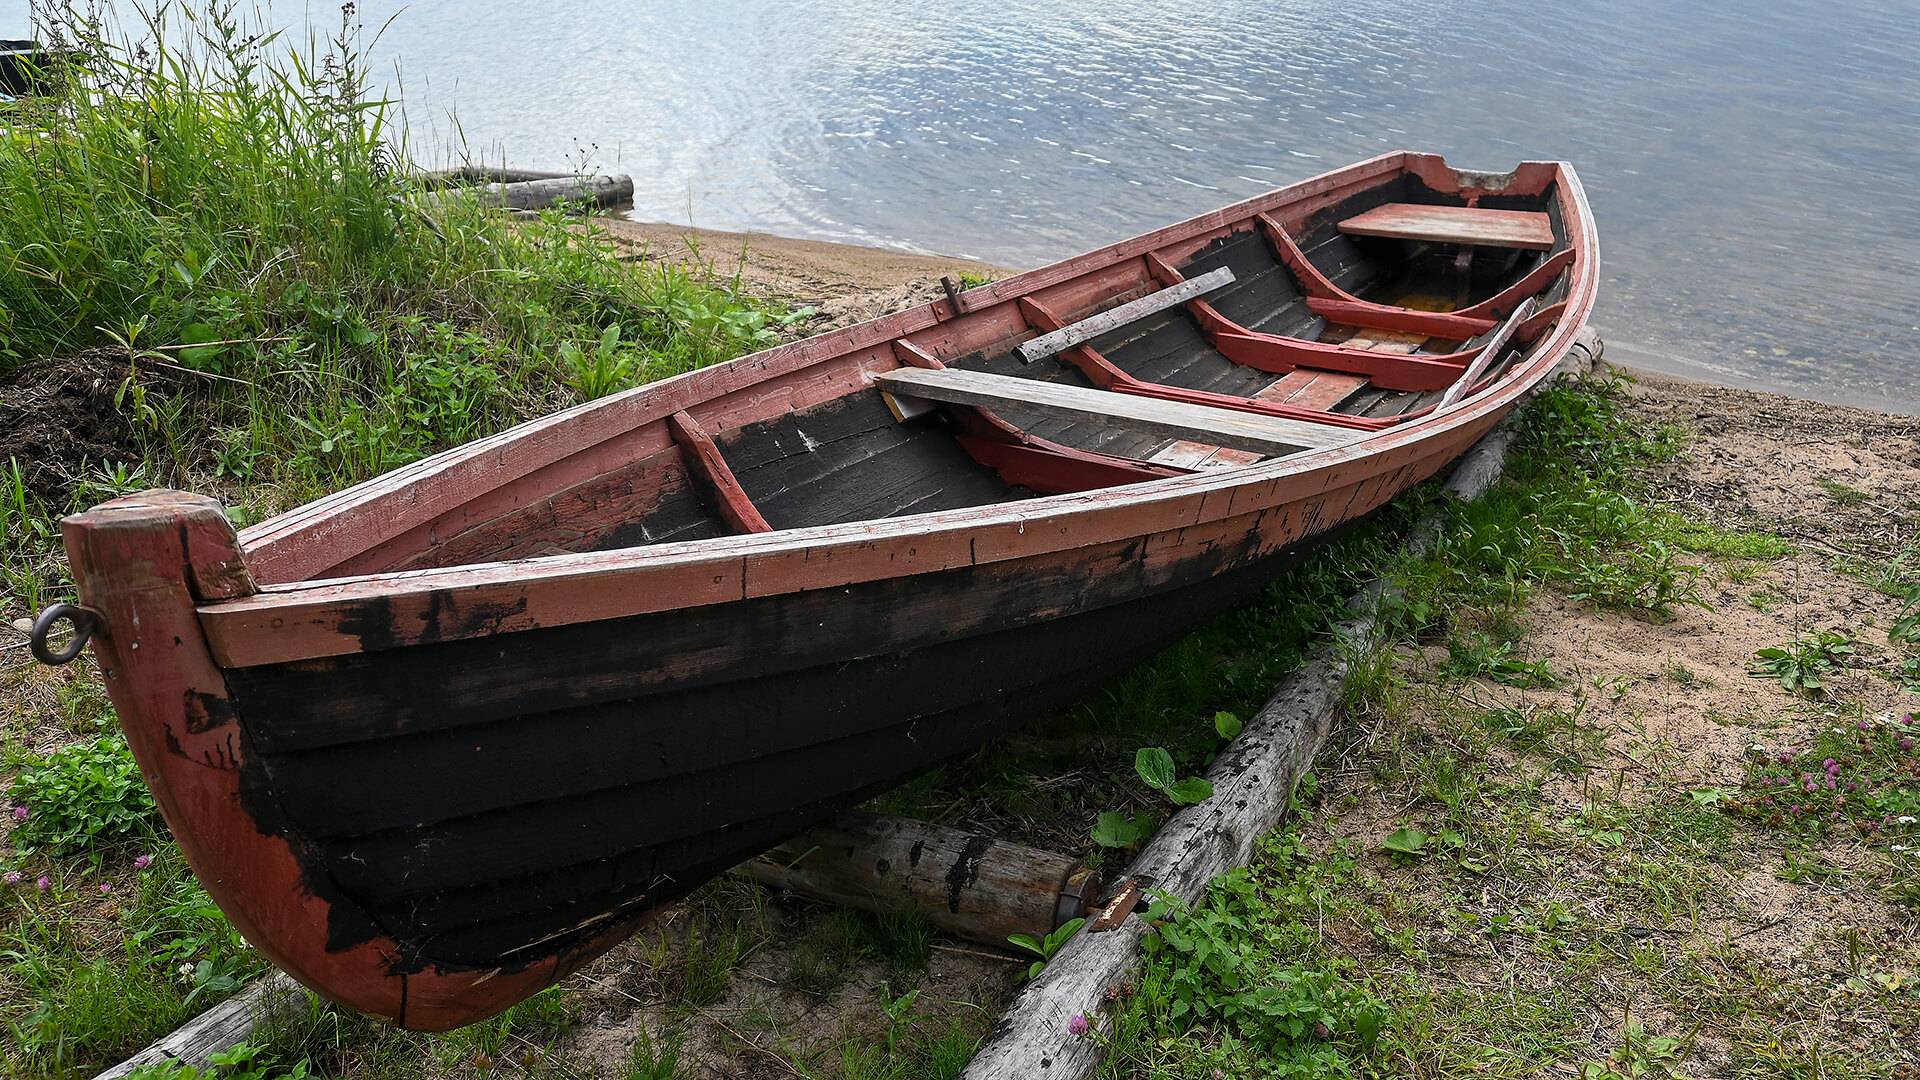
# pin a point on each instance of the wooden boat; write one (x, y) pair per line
(438, 739)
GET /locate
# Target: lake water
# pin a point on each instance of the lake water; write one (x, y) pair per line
(1755, 172)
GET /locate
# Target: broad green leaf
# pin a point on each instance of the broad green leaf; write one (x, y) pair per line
(1116, 830)
(1192, 790)
(1155, 767)
(1407, 840)
(1227, 724)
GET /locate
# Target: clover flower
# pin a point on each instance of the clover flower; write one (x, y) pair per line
(13, 877)
(1079, 1025)
(20, 813)
(142, 862)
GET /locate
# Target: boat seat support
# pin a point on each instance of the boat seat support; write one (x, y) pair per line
(705, 462)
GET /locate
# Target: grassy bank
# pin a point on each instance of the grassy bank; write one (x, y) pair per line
(1567, 829)
(218, 275)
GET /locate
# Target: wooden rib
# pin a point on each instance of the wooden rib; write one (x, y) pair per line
(1220, 427)
(1388, 368)
(704, 458)
(1108, 376)
(1132, 311)
(1403, 320)
(1312, 281)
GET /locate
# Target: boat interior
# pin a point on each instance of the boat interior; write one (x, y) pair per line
(1258, 338)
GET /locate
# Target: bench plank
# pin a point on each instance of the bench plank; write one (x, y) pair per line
(1215, 427)
(1132, 311)
(1470, 225)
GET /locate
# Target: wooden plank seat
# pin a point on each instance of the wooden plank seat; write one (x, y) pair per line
(1180, 420)
(1066, 337)
(1471, 226)
(1318, 286)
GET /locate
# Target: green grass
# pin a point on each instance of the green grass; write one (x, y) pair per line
(231, 216)
(235, 219)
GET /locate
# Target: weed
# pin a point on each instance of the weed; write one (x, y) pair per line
(1218, 966)
(81, 798)
(899, 1014)
(1842, 494)
(1864, 776)
(654, 1059)
(1045, 948)
(1480, 655)
(1641, 1057)
(1801, 666)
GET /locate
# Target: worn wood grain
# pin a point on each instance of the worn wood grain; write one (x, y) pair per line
(970, 885)
(1220, 427)
(1470, 225)
(1133, 310)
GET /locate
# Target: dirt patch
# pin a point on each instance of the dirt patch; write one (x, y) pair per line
(58, 418)
(847, 284)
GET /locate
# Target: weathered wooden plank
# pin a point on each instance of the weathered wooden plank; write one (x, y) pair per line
(1472, 225)
(1220, 427)
(1487, 354)
(1132, 311)
(221, 1028)
(704, 459)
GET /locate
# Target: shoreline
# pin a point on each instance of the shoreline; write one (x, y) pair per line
(850, 282)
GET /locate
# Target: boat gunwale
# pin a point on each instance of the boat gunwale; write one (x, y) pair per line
(298, 620)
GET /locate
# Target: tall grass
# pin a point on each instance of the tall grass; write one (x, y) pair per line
(285, 310)
(234, 211)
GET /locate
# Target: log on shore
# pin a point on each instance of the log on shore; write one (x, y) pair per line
(1253, 783)
(468, 175)
(971, 886)
(591, 191)
(222, 1027)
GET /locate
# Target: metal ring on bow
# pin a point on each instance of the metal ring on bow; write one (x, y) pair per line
(84, 622)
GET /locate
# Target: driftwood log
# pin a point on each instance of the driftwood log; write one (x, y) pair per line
(970, 886)
(222, 1027)
(589, 191)
(1253, 782)
(468, 175)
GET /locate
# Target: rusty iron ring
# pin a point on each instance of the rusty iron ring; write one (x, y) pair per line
(84, 620)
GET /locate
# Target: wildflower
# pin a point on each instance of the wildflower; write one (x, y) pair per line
(1908, 720)
(1835, 815)
(142, 862)
(106, 887)
(1831, 764)
(186, 972)
(1786, 758)
(44, 883)
(1079, 1025)
(13, 877)
(1862, 725)
(1322, 1030)
(20, 813)
(1906, 742)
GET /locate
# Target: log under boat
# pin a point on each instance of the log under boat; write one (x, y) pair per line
(438, 739)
